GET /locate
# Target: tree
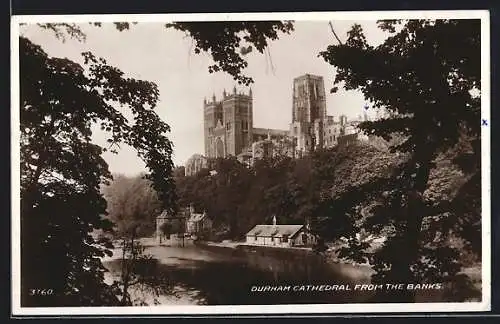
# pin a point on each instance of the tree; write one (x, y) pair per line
(139, 273)
(238, 197)
(431, 91)
(132, 206)
(223, 193)
(132, 203)
(61, 170)
(179, 172)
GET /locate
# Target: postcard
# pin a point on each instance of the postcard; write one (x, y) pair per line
(251, 163)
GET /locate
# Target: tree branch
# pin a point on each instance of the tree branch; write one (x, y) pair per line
(334, 34)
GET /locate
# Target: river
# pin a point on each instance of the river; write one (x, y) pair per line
(226, 276)
(208, 275)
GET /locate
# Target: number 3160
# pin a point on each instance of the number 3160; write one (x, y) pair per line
(41, 292)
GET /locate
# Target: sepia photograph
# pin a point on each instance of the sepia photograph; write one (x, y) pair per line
(250, 163)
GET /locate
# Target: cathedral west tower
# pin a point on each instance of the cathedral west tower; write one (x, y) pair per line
(228, 124)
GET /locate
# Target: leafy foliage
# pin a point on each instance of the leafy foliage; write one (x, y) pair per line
(222, 39)
(293, 190)
(132, 204)
(228, 42)
(430, 89)
(61, 169)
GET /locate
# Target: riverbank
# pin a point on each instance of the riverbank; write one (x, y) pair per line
(359, 273)
(225, 244)
(330, 255)
(235, 245)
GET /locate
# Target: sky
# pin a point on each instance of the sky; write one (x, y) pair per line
(151, 52)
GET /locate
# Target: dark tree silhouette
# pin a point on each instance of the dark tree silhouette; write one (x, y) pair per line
(431, 90)
(61, 170)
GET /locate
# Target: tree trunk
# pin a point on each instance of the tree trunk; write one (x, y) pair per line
(126, 269)
(125, 274)
(401, 272)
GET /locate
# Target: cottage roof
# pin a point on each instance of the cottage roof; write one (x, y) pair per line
(165, 215)
(196, 217)
(275, 230)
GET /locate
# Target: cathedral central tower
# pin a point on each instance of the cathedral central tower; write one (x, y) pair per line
(308, 112)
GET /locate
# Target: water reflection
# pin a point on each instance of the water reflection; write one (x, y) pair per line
(226, 277)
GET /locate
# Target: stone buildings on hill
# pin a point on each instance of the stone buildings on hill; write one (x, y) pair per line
(311, 127)
(229, 131)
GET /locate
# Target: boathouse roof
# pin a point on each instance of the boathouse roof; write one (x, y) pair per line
(275, 230)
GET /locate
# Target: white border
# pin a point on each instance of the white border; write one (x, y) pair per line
(484, 305)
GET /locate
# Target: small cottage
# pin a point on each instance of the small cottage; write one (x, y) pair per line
(280, 235)
(197, 223)
(167, 224)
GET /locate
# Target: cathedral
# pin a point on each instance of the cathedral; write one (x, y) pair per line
(229, 131)
(311, 128)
